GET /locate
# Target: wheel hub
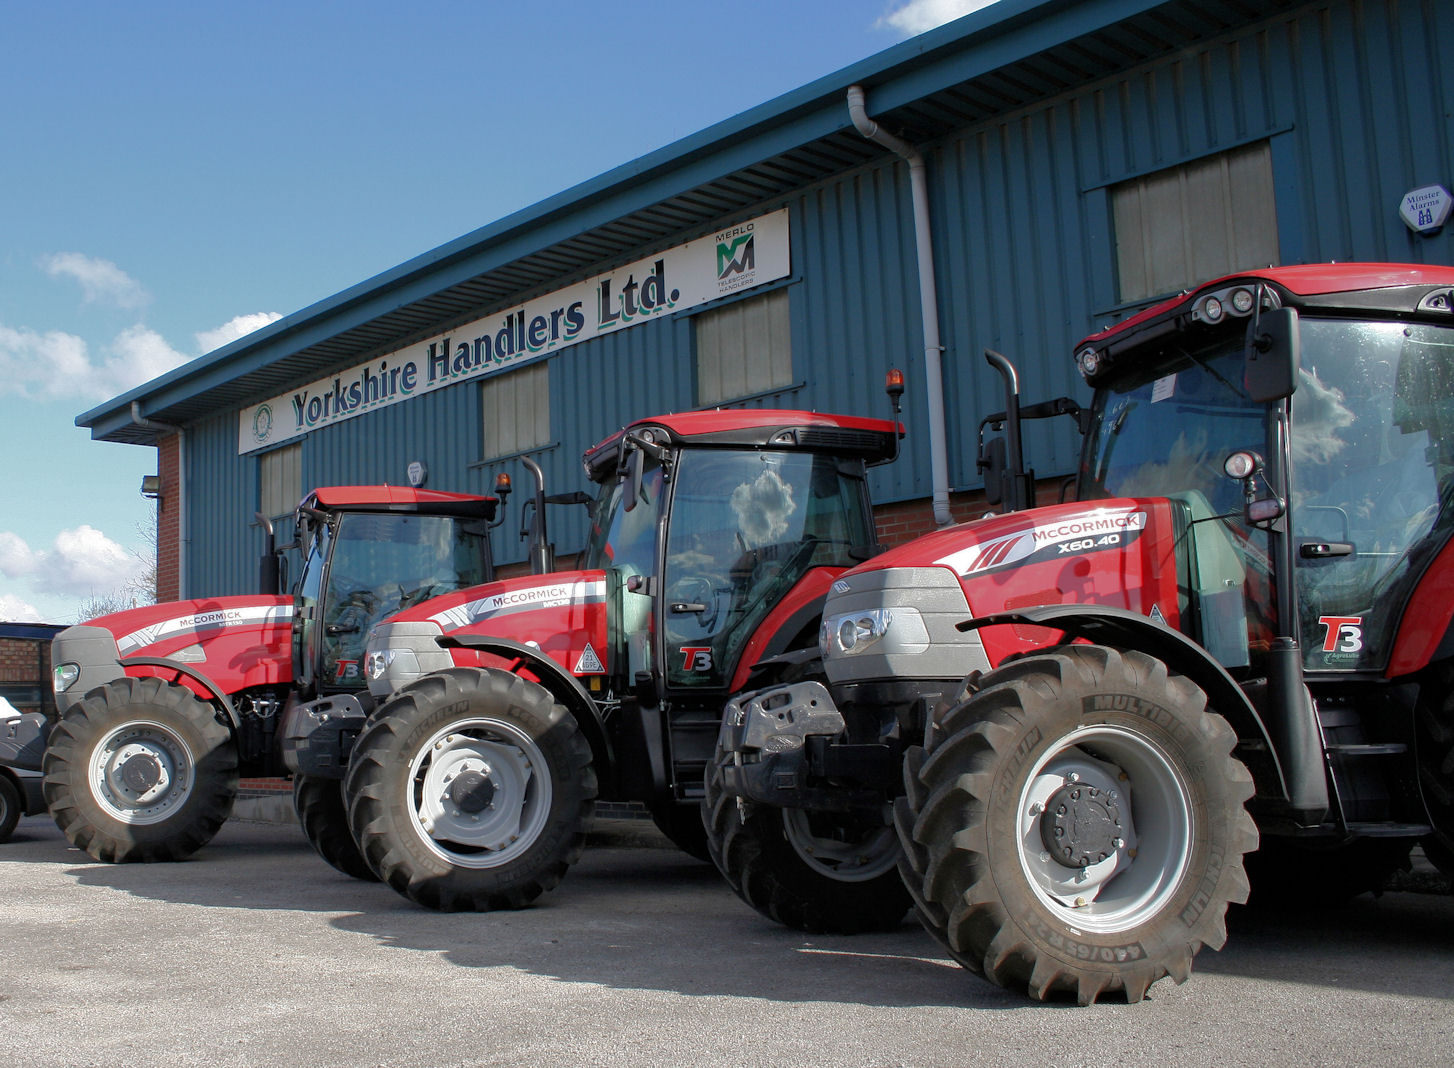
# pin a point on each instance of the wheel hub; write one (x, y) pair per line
(473, 790)
(140, 772)
(1082, 825)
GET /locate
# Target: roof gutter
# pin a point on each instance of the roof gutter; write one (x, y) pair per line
(928, 297)
(182, 533)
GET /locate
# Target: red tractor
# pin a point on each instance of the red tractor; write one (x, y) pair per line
(1238, 620)
(517, 705)
(162, 708)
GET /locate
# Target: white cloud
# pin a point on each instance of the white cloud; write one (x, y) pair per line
(83, 562)
(16, 557)
(230, 331)
(101, 281)
(916, 16)
(55, 364)
(15, 610)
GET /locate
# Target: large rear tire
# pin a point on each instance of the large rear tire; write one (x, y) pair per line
(471, 789)
(1077, 824)
(826, 873)
(324, 819)
(1434, 734)
(11, 807)
(682, 825)
(140, 770)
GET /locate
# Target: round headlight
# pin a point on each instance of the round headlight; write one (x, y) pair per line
(847, 634)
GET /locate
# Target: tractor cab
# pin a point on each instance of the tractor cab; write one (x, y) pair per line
(369, 552)
(1301, 422)
(707, 524)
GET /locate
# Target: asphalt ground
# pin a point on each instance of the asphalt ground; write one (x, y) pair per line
(256, 953)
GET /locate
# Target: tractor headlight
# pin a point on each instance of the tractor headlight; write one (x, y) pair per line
(900, 630)
(64, 676)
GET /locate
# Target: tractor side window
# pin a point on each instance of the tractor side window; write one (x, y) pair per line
(309, 593)
(623, 544)
(1373, 456)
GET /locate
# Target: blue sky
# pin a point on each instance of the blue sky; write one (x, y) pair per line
(176, 174)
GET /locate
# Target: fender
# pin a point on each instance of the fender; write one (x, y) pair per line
(210, 689)
(801, 610)
(1124, 629)
(566, 688)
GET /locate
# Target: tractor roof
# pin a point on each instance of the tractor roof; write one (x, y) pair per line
(759, 428)
(1379, 290)
(400, 499)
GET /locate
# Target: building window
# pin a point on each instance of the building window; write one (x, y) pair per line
(280, 481)
(516, 407)
(1186, 224)
(744, 349)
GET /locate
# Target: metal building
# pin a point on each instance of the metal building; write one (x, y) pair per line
(1078, 161)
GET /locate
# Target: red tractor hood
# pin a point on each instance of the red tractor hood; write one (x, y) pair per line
(563, 614)
(1119, 553)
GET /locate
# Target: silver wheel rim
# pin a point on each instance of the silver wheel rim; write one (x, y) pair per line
(481, 793)
(851, 859)
(1141, 849)
(141, 773)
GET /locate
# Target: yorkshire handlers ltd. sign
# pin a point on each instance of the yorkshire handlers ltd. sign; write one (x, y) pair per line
(739, 257)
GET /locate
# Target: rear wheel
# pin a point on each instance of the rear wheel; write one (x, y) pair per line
(682, 824)
(471, 789)
(824, 872)
(1288, 873)
(1077, 824)
(10, 807)
(324, 819)
(140, 770)
(1434, 726)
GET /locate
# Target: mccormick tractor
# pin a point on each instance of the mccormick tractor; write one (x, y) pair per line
(1240, 619)
(714, 538)
(163, 707)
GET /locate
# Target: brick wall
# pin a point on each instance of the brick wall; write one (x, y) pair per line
(25, 673)
(169, 579)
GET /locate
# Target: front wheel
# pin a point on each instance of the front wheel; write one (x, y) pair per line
(321, 813)
(1077, 824)
(823, 872)
(471, 789)
(140, 770)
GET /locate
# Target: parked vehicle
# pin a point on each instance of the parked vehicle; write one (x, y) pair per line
(162, 708)
(19, 785)
(1084, 714)
(505, 712)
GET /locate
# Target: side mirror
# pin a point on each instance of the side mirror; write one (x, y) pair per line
(994, 464)
(1273, 353)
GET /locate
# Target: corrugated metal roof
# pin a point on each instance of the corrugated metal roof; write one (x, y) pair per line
(990, 63)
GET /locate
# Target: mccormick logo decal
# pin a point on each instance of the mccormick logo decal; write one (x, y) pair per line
(201, 622)
(736, 258)
(559, 595)
(1071, 536)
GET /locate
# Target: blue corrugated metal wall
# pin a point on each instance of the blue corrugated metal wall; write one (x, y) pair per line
(1355, 99)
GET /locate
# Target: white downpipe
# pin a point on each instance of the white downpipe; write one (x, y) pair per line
(154, 424)
(928, 297)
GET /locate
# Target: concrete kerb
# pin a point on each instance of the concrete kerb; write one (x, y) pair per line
(620, 826)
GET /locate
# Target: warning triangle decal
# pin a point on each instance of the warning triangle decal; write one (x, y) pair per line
(589, 663)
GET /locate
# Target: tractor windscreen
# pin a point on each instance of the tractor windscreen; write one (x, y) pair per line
(1165, 431)
(745, 527)
(381, 563)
